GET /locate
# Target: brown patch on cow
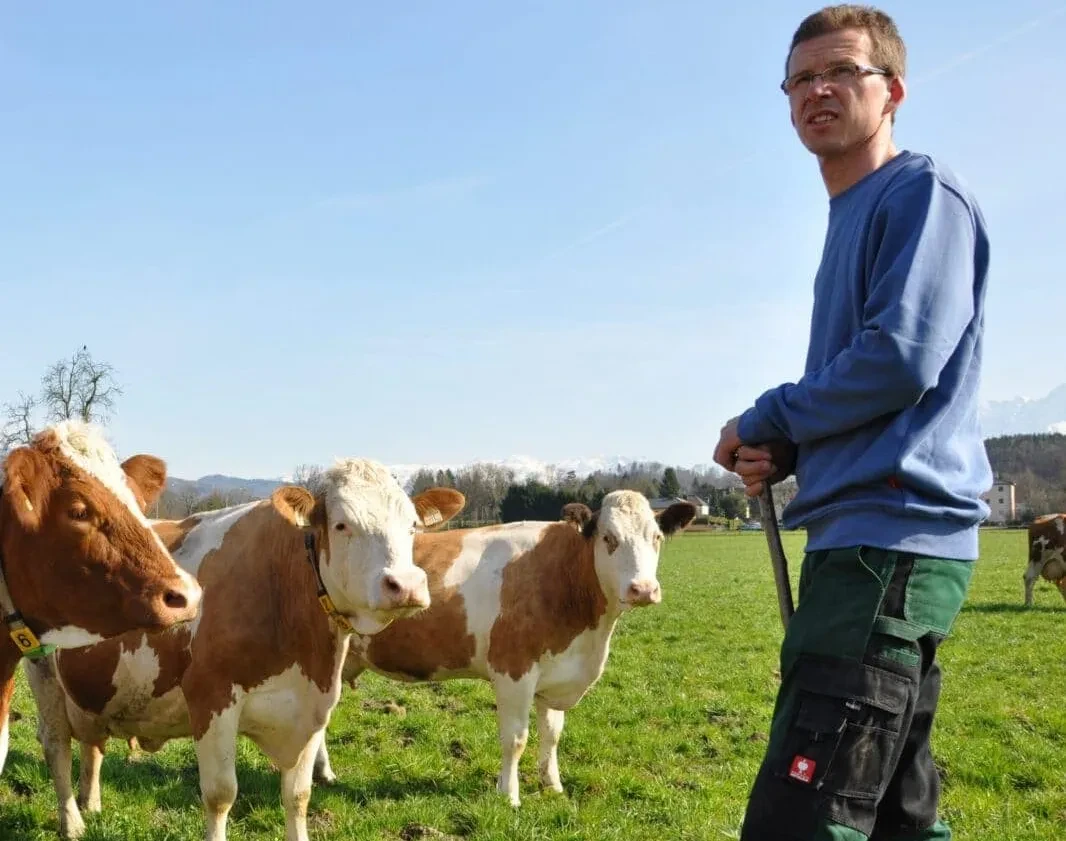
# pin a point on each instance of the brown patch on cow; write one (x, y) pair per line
(436, 638)
(88, 673)
(260, 615)
(549, 596)
(173, 650)
(174, 532)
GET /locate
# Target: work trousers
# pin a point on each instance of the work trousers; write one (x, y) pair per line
(848, 757)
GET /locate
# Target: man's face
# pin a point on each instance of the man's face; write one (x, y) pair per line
(832, 118)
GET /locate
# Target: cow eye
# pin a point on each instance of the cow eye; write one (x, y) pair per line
(79, 511)
(340, 527)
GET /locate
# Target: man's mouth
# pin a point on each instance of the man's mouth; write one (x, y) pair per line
(821, 118)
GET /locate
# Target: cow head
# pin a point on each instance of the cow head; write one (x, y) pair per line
(365, 526)
(80, 560)
(627, 540)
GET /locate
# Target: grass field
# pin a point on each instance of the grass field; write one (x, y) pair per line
(664, 747)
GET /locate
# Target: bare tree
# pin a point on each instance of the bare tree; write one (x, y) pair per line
(18, 422)
(79, 387)
(308, 476)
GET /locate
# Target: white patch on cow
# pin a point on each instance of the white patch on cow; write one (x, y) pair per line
(279, 713)
(1041, 542)
(478, 573)
(69, 636)
(85, 445)
(207, 535)
(1060, 524)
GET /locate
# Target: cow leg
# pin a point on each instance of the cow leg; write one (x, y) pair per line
(323, 770)
(7, 693)
(296, 789)
(55, 735)
(92, 757)
(1032, 573)
(9, 663)
(216, 753)
(513, 700)
(549, 730)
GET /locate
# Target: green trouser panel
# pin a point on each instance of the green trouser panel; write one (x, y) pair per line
(848, 755)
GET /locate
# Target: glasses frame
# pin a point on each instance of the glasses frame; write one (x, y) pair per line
(806, 78)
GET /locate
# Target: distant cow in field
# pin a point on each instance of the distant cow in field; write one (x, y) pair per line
(529, 607)
(78, 561)
(1047, 541)
(577, 514)
(286, 580)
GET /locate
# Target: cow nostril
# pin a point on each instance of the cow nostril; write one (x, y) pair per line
(175, 600)
(392, 585)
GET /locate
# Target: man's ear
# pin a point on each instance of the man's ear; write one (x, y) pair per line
(897, 92)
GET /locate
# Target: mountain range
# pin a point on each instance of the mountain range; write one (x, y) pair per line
(1025, 416)
(1019, 416)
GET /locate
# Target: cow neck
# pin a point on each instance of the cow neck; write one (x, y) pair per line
(343, 622)
(24, 638)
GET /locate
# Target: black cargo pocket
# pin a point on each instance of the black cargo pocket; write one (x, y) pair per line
(847, 722)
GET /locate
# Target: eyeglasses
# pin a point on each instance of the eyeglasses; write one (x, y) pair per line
(835, 75)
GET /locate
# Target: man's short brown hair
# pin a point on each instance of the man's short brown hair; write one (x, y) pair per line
(887, 48)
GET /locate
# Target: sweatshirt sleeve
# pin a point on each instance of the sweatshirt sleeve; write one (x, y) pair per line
(920, 301)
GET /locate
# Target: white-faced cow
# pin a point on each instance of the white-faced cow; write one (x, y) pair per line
(285, 581)
(1047, 542)
(529, 607)
(78, 560)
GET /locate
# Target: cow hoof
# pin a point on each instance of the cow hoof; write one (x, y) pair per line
(73, 827)
(327, 779)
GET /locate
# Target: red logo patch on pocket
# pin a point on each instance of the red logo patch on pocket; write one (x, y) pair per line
(802, 769)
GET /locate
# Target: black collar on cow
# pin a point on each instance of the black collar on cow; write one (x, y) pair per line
(323, 595)
(26, 640)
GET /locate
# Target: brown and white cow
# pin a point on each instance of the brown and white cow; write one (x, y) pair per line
(529, 607)
(78, 559)
(1047, 542)
(265, 655)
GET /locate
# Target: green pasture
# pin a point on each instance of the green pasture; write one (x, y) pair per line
(664, 747)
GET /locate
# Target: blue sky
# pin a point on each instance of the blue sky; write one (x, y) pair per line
(445, 232)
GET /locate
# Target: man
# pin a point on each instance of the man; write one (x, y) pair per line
(888, 455)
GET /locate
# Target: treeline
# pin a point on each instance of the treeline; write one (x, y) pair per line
(1036, 464)
(494, 495)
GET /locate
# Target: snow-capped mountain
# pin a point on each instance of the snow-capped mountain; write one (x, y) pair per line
(1024, 415)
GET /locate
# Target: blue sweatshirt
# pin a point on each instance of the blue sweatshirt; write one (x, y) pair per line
(889, 448)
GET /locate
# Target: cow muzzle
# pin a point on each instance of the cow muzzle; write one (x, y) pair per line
(642, 593)
(407, 592)
(177, 601)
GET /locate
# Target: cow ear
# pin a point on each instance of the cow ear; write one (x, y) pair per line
(147, 476)
(294, 503)
(676, 517)
(436, 506)
(577, 514)
(26, 482)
